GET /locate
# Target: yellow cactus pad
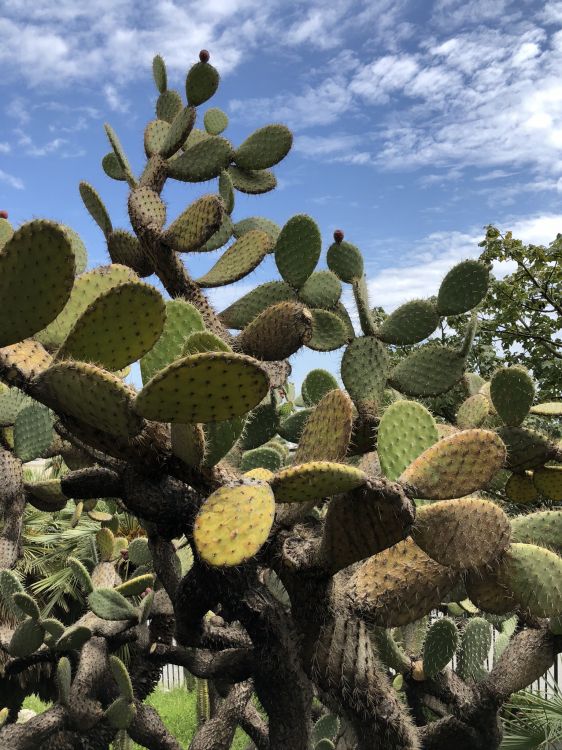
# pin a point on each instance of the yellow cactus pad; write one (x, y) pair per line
(205, 387)
(91, 395)
(314, 480)
(548, 409)
(24, 360)
(188, 443)
(456, 466)
(260, 473)
(233, 523)
(548, 482)
(520, 489)
(327, 431)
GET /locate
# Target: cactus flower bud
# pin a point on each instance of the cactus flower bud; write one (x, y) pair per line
(338, 236)
(204, 56)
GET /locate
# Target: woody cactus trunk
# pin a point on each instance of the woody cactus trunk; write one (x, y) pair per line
(326, 530)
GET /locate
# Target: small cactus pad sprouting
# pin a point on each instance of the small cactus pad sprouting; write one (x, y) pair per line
(328, 331)
(462, 534)
(118, 327)
(215, 121)
(456, 466)
(298, 249)
(206, 387)
(233, 523)
(406, 429)
(239, 260)
(475, 646)
(315, 480)
(410, 323)
(261, 458)
(36, 264)
(188, 443)
(327, 431)
(512, 392)
(463, 288)
(90, 394)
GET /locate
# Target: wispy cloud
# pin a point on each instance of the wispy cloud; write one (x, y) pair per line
(115, 99)
(5, 147)
(11, 181)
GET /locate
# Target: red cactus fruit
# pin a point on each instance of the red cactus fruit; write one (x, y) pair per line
(3, 214)
(204, 56)
(338, 236)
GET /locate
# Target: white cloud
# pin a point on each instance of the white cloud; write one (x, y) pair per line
(30, 148)
(5, 147)
(9, 179)
(115, 99)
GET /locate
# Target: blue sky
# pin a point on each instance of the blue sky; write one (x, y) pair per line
(416, 123)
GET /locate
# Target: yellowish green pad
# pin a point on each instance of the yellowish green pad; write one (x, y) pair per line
(534, 576)
(327, 431)
(473, 411)
(314, 480)
(25, 359)
(206, 387)
(239, 260)
(234, 523)
(548, 409)
(36, 277)
(456, 466)
(91, 395)
(86, 289)
(520, 489)
(406, 429)
(195, 225)
(548, 481)
(118, 327)
(260, 473)
(188, 443)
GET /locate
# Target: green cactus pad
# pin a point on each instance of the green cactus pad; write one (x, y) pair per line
(177, 133)
(95, 207)
(248, 307)
(406, 429)
(10, 584)
(439, 647)
(265, 148)
(277, 332)
(155, 135)
(73, 638)
(389, 651)
(201, 83)
(239, 260)
(188, 443)
(548, 481)
(125, 249)
(27, 604)
(27, 638)
(534, 576)
(520, 489)
(91, 395)
(81, 574)
(139, 552)
(463, 288)
(220, 437)
(261, 426)
(398, 586)
(315, 480)
(226, 191)
(109, 604)
(428, 371)
(291, 428)
(346, 261)
(543, 528)
(548, 409)
(78, 248)
(86, 289)
(207, 387)
(120, 713)
(261, 458)
(297, 249)
(234, 523)
(112, 168)
(476, 643)
(473, 411)
(322, 289)
(316, 385)
(326, 728)
(118, 327)
(328, 331)
(215, 121)
(364, 369)
(63, 680)
(120, 154)
(105, 544)
(467, 533)
(203, 161)
(159, 73)
(456, 465)
(220, 237)
(136, 586)
(204, 341)
(146, 208)
(121, 677)
(526, 449)
(252, 183)
(12, 401)
(46, 495)
(327, 431)
(410, 323)
(33, 432)
(195, 225)
(257, 222)
(168, 105)
(182, 319)
(512, 393)
(37, 264)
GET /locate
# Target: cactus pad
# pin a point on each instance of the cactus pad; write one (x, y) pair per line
(125, 249)
(24, 360)
(168, 105)
(257, 222)
(476, 643)
(234, 523)
(36, 264)
(364, 369)
(261, 458)
(27, 638)
(95, 207)
(456, 466)
(328, 331)
(265, 148)
(462, 534)
(277, 332)
(428, 371)
(195, 225)
(463, 288)
(534, 576)
(91, 395)
(327, 431)
(118, 327)
(260, 427)
(81, 574)
(263, 475)
(220, 437)
(316, 385)
(543, 528)
(410, 323)
(473, 411)
(252, 183)
(298, 249)
(346, 261)
(155, 135)
(33, 432)
(178, 132)
(291, 428)
(322, 289)
(248, 307)
(526, 449)
(139, 552)
(239, 260)
(201, 83)
(406, 429)
(439, 646)
(512, 393)
(548, 481)
(112, 168)
(46, 495)
(215, 121)
(315, 480)
(548, 409)
(109, 604)
(520, 489)
(136, 586)
(207, 387)
(203, 161)
(159, 73)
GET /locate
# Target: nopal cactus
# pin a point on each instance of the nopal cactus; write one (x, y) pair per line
(295, 546)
